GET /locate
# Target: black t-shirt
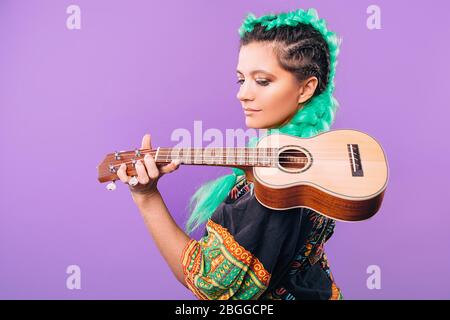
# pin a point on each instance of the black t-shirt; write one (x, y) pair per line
(249, 251)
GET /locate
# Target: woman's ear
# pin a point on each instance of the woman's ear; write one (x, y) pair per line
(307, 89)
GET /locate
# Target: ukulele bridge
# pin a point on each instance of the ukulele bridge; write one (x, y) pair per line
(355, 160)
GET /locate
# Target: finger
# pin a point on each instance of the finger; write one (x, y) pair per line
(172, 166)
(146, 142)
(142, 175)
(122, 173)
(150, 165)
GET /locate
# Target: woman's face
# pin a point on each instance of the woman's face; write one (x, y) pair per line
(264, 86)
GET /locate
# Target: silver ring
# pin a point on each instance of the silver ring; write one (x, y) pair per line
(133, 181)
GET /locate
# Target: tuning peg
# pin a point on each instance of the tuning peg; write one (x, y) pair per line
(137, 153)
(111, 186)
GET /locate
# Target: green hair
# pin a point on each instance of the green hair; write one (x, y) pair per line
(315, 117)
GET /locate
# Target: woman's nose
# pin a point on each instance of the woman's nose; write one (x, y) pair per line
(245, 92)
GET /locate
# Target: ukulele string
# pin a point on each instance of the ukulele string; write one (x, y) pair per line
(251, 157)
(252, 150)
(260, 164)
(230, 154)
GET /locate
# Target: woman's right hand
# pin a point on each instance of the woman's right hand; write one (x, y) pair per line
(148, 173)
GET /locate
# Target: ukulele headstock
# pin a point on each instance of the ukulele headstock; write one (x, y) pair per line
(107, 169)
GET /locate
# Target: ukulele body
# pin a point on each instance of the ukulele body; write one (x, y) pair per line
(341, 174)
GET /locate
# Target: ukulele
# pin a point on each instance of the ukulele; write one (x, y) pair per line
(341, 174)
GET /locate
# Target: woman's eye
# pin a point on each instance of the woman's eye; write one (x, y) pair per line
(262, 82)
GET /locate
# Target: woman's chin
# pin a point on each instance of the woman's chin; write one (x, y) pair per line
(252, 123)
(249, 122)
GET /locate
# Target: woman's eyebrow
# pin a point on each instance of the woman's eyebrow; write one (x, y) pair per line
(256, 71)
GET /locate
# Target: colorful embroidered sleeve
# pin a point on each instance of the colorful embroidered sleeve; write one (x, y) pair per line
(219, 268)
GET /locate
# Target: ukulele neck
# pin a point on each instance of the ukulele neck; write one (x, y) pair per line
(232, 157)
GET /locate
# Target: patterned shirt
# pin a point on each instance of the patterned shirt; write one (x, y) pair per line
(252, 252)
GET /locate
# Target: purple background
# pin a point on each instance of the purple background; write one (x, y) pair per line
(68, 97)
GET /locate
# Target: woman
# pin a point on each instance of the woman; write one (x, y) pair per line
(285, 70)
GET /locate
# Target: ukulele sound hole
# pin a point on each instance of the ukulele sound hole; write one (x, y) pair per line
(293, 160)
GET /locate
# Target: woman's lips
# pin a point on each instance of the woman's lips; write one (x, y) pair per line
(250, 111)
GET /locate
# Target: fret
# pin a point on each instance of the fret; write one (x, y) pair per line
(270, 160)
(214, 156)
(227, 156)
(262, 156)
(156, 155)
(219, 154)
(259, 155)
(273, 155)
(269, 157)
(192, 155)
(186, 155)
(265, 160)
(173, 154)
(251, 156)
(246, 156)
(166, 157)
(230, 156)
(240, 156)
(198, 155)
(207, 156)
(180, 154)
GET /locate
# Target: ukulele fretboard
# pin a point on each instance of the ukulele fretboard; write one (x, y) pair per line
(218, 156)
